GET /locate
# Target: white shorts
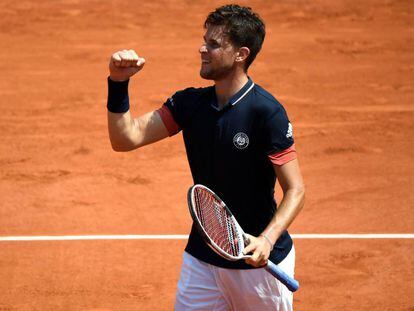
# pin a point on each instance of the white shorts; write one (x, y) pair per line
(206, 287)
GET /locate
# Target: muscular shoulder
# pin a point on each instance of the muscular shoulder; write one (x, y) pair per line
(275, 124)
(266, 104)
(190, 95)
(184, 103)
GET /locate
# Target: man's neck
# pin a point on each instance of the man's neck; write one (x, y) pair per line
(229, 86)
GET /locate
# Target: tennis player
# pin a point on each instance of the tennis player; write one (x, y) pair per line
(238, 139)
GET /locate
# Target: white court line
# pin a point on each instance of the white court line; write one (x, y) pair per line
(355, 236)
(184, 237)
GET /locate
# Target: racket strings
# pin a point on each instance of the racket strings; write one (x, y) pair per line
(216, 221)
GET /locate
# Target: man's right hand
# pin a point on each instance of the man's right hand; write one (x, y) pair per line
(124, 64)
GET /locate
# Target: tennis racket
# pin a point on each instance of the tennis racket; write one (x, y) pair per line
(222, 233)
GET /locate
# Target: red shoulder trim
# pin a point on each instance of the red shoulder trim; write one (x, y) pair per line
(283, 157)
(168, 120)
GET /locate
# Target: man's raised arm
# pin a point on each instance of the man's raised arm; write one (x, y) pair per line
(125, 132)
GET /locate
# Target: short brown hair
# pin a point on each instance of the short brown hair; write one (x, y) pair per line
(243, 26)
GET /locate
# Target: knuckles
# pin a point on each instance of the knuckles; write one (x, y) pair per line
(126, 58)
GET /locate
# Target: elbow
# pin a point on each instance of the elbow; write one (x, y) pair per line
(122, 144)
(120, 148)
(302, 196)
(299, 193)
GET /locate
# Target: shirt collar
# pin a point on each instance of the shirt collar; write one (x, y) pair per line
(236, 97)
(242, 93)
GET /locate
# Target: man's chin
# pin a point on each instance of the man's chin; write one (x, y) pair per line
(206, 75)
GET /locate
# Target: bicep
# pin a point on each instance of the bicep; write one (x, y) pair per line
(289, 175)
(149, 128)
(128, 134)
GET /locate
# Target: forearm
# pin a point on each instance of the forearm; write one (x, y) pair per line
(120, 123)
(121, 131)
(292, 203)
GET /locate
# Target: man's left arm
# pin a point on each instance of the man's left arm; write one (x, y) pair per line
(291, 182)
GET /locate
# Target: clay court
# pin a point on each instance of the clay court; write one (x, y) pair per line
(344, 70)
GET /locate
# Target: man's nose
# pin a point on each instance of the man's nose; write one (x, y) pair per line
(202, 48)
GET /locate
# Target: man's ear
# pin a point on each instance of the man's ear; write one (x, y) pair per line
(242, 54)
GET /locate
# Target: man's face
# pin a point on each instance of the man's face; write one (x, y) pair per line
(217, 54)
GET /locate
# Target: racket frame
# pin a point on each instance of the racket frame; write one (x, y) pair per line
(241, 236)
(289, 282)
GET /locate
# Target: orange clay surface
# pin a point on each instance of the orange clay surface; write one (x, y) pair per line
(344, 71)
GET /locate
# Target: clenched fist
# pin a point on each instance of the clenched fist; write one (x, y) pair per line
(124, 64)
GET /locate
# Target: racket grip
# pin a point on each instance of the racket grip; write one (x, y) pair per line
(281, 275)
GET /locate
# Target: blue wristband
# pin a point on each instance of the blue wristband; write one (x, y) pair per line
(118, 99)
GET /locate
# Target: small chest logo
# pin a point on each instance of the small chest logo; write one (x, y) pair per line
(240, 140)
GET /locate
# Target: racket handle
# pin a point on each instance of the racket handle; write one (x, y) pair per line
(281, 275)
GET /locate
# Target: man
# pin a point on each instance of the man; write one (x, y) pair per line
(238, 139)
